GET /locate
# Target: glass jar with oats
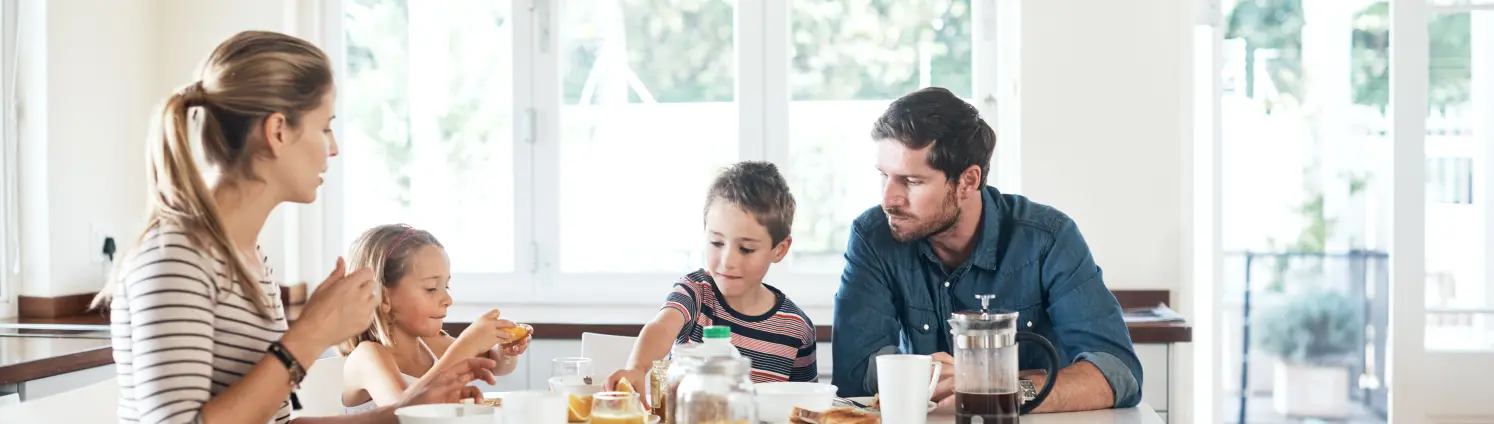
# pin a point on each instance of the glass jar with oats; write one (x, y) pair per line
(718, 390)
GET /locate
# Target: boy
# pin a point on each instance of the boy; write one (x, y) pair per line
(748, 214)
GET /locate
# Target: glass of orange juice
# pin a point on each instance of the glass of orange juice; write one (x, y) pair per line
(617, 408)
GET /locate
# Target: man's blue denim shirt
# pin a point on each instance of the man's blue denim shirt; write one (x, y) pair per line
(897, 297)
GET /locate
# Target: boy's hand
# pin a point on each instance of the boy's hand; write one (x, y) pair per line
(636, 378)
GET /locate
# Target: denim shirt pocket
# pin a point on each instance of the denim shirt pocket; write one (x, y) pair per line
(920, 328)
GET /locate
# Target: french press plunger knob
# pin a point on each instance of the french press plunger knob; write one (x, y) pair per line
(985, 301)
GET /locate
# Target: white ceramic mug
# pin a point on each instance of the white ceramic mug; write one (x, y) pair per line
(905, 383)
(534, 407)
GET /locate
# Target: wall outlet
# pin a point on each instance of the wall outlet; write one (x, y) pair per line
(95, 245)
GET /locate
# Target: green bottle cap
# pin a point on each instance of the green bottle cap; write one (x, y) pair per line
(717, 332)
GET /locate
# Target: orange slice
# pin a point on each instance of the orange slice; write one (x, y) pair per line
(579, 410)
(624, 386)
(517, 332)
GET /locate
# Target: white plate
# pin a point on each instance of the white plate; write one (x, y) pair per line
(867, 400)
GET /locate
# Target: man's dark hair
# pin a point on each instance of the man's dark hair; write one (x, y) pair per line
(759, 189)
(935, 115)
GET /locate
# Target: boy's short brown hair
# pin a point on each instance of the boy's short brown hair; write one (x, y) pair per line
(759, 189)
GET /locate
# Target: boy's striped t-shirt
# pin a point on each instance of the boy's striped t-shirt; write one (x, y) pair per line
(780, 343)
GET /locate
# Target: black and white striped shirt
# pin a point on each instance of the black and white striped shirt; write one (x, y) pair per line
(182, 332)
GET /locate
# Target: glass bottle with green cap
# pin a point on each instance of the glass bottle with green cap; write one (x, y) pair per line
(717, 342)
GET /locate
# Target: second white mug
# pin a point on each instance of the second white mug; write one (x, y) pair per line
(905, 383)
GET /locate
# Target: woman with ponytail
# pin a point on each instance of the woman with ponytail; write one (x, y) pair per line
(199, 332)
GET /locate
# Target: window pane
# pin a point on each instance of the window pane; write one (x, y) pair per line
(1305, 189)
(649, 116)
(427, 138)
(1460, 75)
(850, 59)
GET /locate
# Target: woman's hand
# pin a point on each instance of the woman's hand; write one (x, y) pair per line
(340, 308)
(450, 385)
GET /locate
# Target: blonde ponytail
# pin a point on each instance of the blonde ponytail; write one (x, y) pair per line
(248, 78)
(179, 195)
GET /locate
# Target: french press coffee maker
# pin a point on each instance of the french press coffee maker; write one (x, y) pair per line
(986, 370)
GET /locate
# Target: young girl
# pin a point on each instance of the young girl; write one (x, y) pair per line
(405, 340)
(199, 333)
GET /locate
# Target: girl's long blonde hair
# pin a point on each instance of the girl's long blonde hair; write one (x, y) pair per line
(245, 80)
(387, 250)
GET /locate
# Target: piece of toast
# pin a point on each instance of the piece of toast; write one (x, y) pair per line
(834, 416)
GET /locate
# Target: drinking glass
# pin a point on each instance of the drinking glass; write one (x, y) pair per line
(617, 408)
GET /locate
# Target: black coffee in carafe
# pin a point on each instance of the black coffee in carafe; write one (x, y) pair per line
(987, 384)
(986, 408)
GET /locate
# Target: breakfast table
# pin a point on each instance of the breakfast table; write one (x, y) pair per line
(1141, 414)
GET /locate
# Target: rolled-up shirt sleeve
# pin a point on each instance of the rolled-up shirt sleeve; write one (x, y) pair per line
(1086, 317)
(865, 320)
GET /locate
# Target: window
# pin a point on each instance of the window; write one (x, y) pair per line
(563, 149)
(423, 140)
(1450, 180)
(648, 115)
(849, 62)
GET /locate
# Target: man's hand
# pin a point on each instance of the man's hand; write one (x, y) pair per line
(944, 390)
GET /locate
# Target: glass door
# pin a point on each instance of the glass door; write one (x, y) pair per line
(1442, 97)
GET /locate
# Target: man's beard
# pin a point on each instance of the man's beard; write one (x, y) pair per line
(944, 220)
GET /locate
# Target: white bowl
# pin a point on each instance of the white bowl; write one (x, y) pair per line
(775, 401)
(574, 385)
(446, 413)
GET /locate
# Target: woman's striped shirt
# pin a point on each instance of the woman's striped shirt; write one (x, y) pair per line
(182, 332)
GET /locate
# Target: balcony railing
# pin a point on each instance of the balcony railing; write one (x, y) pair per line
(1265, 279)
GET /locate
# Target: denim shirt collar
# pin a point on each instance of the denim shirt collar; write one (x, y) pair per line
(987, 237)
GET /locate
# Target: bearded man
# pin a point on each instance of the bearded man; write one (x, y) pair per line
(942, 236)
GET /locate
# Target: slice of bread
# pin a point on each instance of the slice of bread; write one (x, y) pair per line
(834, 416)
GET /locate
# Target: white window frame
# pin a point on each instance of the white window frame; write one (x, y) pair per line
(762, 35)
(9, 167)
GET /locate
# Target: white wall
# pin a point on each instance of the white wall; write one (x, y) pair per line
(89, 77)
(1105, 122)
(92, 73)
(1105, 107)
